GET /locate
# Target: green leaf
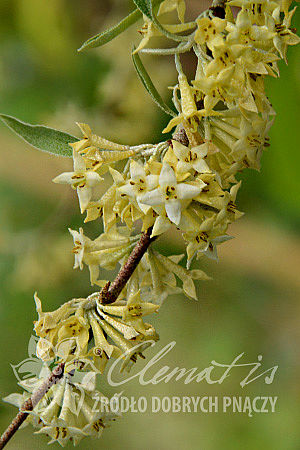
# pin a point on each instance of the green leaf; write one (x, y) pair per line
(108, 35)
(147, 82)
(144, 7)
(41, 137)
(147, 7)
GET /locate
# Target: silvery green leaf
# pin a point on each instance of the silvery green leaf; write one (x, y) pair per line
(144, 7)
(147, 8)
(108, 35)
(147, 82)
(41, 137)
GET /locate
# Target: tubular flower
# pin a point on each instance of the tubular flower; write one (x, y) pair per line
(105, 251)
(118, 330)
(66, 413)
(81, 179)
(191, 159)
(209, 31)
(283, 36)
(171, 194)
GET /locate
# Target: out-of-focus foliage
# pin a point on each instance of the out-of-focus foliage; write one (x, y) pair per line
(251, 305)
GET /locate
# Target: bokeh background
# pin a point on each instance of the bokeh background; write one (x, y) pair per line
(252, 304)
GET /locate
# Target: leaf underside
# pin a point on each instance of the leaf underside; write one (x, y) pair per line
(41, 137)
(108, 35)
(149, 86)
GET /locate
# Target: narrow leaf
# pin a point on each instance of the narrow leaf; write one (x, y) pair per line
(147, 82)
(41, 137)
(146, 7)
(108, 35)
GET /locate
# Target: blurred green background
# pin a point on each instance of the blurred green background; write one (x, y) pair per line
(252, 303)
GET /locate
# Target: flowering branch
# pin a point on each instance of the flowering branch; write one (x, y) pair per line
(189, 182)
(30, 404)
(108, 294)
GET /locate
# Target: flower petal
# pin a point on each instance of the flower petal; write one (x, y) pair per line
(161, 225)
(93, 178)
(173, 210)
(180, 150)
(67, 178)
(137, 171)
(151, 181)
(84, 194)
(152, 198)
(187, 191)
(127, 189)
(79, 163)
(201, 166)
(167, 176)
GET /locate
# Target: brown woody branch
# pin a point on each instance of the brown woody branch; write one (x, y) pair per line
(111, 292)
(30, 404)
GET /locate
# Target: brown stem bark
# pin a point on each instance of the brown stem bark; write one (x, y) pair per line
(110, 293)
(30, 404)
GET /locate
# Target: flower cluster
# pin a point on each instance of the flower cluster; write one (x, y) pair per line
(225, 114)
(160, 186)
(188, 183)
(84, 334)
(66, 413)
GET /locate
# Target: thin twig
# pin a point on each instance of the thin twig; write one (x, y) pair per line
(110, 293)
(30, 404)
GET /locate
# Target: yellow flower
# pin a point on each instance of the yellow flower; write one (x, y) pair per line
(66, 413)
(209, 31)
(205, 238)
(173, 5)
(149, 30)
(130, 342)
(190, 115)
(72, 337)
(171, 195)
(225, 56)
(160, 278)
(105, 251)
(244, 32)
(47, 321)
(257, 8)
(216, 88)
(283, 36)
(138, 184)
(191, 158)
(81, 179)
